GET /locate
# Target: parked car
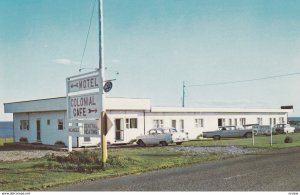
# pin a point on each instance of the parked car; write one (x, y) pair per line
(162, 136)
(283, 128)
(259, 129)
(297, 129)
(228, 132)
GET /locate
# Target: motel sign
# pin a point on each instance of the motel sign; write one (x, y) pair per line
(86, 83)
(83, 102)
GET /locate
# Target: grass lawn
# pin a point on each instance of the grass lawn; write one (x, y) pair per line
(38, 174)
(6, 140)
(259, 142)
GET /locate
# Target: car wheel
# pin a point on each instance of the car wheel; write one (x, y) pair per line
(141, 143)
(163, 143)
(248, 135)
(178, 143)
(216, 137)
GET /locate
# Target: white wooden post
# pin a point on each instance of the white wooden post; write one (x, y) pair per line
(252, 137)
(70, 144)
(271, 143)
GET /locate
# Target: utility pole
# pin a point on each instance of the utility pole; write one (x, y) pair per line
(183, 93)
(102, 94)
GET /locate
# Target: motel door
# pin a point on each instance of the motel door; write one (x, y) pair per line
(38, 130)
(119, 129)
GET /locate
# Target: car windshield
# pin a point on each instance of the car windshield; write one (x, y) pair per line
(228, 128)
(170, 130)
(152, 131)
(159, 131)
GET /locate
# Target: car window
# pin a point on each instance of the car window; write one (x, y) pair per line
(152, 131)
(173, 130)
(159, 131)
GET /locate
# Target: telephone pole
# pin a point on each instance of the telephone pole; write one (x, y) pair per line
(183, 93)
(102, 96)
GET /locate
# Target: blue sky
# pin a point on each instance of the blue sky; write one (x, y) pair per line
(155, 45)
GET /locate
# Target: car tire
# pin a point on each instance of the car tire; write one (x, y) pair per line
(248, 135)
(163, 143)
(178, 143)
(216, 137)
(141, 143)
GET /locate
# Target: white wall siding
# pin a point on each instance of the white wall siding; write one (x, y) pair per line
(124, 108)
(129, 133)
(49, 133)
(210, 120)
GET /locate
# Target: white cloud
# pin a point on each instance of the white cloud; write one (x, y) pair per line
(65, 61)
(116, 61)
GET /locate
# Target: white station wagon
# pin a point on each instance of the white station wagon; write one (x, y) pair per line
(162, 136)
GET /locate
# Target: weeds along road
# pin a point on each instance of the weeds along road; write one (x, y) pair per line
(276, 171)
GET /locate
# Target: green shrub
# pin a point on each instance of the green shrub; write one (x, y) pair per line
(86, 161)
(23, 140)
(288, 139)
(60, 144)
(120, 161)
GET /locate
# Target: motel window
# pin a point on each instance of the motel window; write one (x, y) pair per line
(230, 121)
(131, 123)
(281, 120)
(173, 122)
(199, 123)
(158, 123)
(242, 121)
(181, 125)
(274, 121)
(270, 122)
(24, 124)
(235, 122)
(221, 122)
(48, 122)
(60, 124)
(86, 139)
(259, 120)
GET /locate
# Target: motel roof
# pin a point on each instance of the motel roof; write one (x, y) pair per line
(119, 103)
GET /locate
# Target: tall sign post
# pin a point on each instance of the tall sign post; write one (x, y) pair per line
(102, 94)
(85, 95)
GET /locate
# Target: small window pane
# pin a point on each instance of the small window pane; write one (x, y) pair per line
(133, 123)
(60, 124)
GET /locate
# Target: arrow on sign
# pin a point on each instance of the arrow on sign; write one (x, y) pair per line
(90, 110)
(73, 85)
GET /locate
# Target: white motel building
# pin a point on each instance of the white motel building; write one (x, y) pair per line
(45, 120)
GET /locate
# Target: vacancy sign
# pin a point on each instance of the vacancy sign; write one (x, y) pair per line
(85, 83)
(85, 106)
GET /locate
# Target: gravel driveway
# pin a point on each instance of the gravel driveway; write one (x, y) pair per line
(27, 154)
(195, 150)
(227, 150)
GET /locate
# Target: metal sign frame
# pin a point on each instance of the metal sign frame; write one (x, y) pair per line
(82, 93)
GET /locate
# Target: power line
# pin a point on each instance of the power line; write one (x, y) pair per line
(87, 35)
(243, 81)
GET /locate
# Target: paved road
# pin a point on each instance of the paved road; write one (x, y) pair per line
(279, 171)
